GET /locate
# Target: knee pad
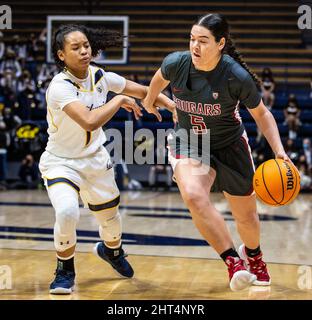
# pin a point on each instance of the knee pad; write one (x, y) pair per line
(63, 242)
(110, 225)
(67, 216)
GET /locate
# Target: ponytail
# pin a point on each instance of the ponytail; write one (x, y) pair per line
(231, 50)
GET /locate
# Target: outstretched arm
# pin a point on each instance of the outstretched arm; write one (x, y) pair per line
(139, 91)
(157, 85)
(96, 118)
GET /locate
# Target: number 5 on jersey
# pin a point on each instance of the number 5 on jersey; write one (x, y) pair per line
(198, 124)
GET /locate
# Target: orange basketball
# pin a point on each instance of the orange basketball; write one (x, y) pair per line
(276, 182)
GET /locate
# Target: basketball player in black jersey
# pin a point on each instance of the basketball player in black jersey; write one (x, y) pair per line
(208, 82)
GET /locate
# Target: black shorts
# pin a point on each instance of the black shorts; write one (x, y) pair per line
(233, 164)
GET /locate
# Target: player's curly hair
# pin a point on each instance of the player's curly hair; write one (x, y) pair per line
(219, 27)
(99, 39)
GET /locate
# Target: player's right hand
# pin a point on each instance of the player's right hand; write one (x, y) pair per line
(150, 108)
(130, 105)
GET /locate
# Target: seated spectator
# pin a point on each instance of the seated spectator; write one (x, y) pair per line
(262, 152)
(28, 173)
(26, 89)
(46, 74)
(18, 47)
(307, 150)
(305, 177)
(267, 88)
(292, 115)
(8, 84)
(10, 119)
(291, 150)
(32, 50)
(10, 61)
(8, 80)
(267, 93)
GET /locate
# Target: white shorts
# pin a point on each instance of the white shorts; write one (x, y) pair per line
(92, 177)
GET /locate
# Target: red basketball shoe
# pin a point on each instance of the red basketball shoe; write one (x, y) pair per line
(256, 266)
(239, 276)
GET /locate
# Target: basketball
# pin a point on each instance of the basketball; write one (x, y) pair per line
(276, 182)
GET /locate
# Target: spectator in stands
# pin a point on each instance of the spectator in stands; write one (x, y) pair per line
(307, 150)
(10, 62)
(28, 173)
(43, 35)
(10, 119)
(292, 151)
(262, 152)
(43, 38)
(2, 46)
(46, 73)
(267, 93)
(292, 116)
(18, 47)
(32, 49)
(40, 94)
(305, 176)
(26, 89)
(8, 80)
(8, 87)
(267, 88)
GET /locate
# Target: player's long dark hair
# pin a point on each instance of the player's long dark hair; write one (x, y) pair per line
(99, 39)
(219, 27)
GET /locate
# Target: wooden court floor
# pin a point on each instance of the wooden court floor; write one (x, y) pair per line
(170, 259)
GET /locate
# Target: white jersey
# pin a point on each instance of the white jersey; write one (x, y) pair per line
(66, 138)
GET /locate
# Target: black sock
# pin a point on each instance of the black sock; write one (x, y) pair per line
(67, 265)
(230, 252)
(253, 252)
(113, 253)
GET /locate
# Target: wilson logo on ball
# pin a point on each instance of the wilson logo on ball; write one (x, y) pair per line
(290, 177)
(276, 182)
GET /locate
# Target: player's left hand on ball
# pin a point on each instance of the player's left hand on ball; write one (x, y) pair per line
(283, 155)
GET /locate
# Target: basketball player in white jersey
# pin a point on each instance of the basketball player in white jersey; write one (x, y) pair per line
(75, 161)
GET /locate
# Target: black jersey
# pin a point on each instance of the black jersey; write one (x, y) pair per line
(209, 100)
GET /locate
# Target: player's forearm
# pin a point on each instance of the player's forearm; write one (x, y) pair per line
(139, 91)
(100, 116)
(135, 90)
(163, 101)
(157, 85)
(268, 127)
